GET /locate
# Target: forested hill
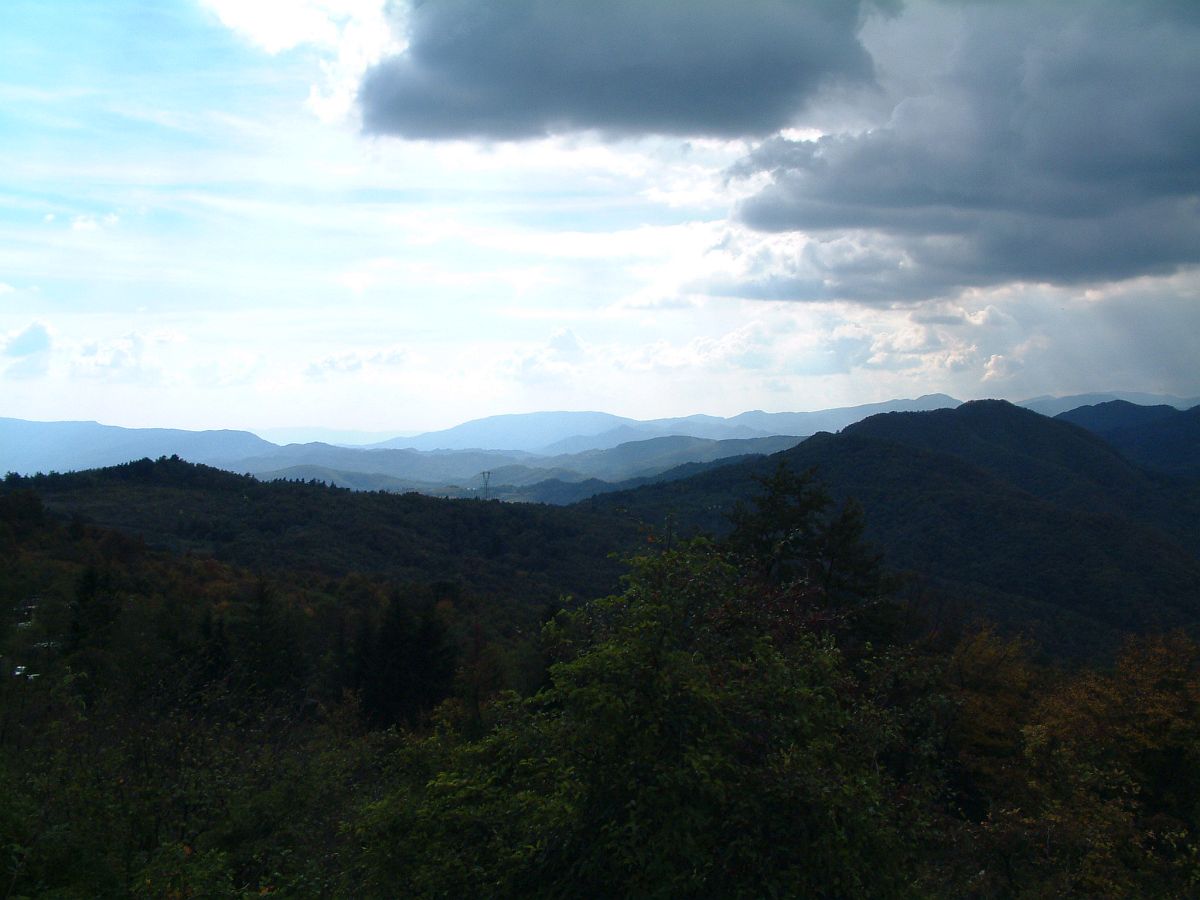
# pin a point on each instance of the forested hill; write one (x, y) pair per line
(1160, 438)
(999, 511)
(1100, 418)
(370, 690)
(1051, 459)
(1035, 523)
(524, 552)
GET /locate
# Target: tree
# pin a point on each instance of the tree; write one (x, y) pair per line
(409, 664)
(790, 535)
(1104, 799)
(679, 750)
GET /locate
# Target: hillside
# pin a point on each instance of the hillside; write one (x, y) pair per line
(1170, 445)
(644, 458)
(1052, 460)
(998, 509)
(1160, 438)
(1100, 418)
(413, 466)
(528, 553)
(838, 418)
(458, 472)
(190, 727)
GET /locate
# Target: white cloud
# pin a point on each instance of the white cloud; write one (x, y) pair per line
(560, 361)
(30, 350)
(278, 25)
(33, 339)
(150, 356)
(1000, 368)
(94, 223)
(355, 362)
(350, 35)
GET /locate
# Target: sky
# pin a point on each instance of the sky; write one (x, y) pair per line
(397, 215)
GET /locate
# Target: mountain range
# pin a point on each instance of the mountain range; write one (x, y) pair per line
(553, 433)
(1053, 406)
(558, 441)
(562, 457)
(292, 639)
(1034, 523)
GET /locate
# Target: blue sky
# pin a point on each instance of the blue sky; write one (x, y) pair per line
(325, 212)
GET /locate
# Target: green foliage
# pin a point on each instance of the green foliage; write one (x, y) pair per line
(407, 666)
(789, 535)
(754, 716)
(165, 728)
(679, 750)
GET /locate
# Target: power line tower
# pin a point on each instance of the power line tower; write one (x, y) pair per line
(487, 477)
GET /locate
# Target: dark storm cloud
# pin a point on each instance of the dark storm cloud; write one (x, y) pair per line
(526, 68)
(1053, 142)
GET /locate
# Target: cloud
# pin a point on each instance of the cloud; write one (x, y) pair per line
(351, 35)
(32, 340)
(353, 362)
(752, 347)
(1044, 143)
(94, 223)
(1011, 341)
(559, 360)
(130, 358)
(565, 344)
(1015, 341)
(529, 68)
(30, 351)
(1001, 368)
(279, 25)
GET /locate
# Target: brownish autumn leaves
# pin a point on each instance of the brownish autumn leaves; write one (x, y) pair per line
(1085, 782)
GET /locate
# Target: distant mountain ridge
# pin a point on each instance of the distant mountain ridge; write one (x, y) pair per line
(1101, 418)
(1161, 438)
(27, 447)
(574, 432)
(567, 448)
(1046, 457)
(459, 472)
(1053, 406)
(511, 431)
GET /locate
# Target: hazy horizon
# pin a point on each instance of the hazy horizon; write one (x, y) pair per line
(373, 217)
(349, 437)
